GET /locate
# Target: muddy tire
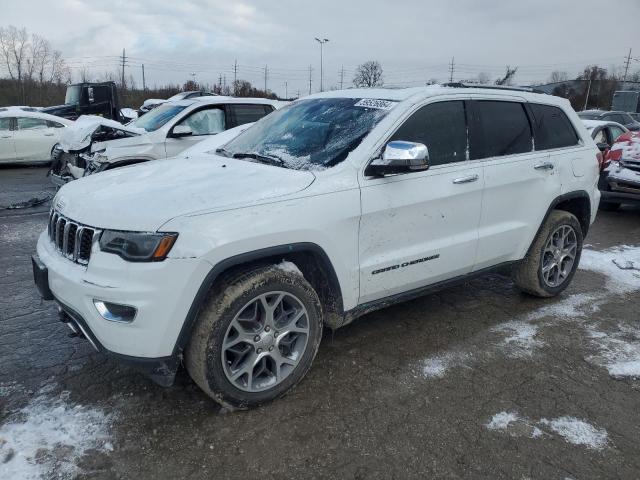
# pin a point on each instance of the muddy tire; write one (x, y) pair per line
(609, 206)
(256, 336)
(553, 257)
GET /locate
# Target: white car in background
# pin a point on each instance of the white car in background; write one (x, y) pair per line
(27, 135)
(164, 132)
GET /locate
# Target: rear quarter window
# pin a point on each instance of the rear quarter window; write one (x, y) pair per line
(249, 113)
(552, 128)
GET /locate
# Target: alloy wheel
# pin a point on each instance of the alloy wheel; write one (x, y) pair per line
(265, 341)
(559, 255)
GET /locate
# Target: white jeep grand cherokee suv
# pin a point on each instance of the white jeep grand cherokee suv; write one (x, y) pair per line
(340, 203)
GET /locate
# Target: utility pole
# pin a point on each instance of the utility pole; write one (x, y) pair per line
(286, 92)
(310, 77)
(220, 83)
(235, 77)
(224, 83)
(626, 68)
(266, 72)
(124, 62)
(193, 76)
(144, 85)
(586, 100)
(341, 77)
(321, 42)
(452, 67)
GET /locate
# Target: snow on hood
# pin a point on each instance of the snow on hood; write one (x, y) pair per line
(78, 136)
(144, 197)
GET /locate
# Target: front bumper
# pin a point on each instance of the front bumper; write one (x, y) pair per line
(162, 293)
(620, 185)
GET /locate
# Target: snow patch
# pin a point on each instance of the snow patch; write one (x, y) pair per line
(621, 266)
(289, 267)
(46, 438)
(522, 339)
(438, 365)
(578, 432)
(573, 430)
(618, 351)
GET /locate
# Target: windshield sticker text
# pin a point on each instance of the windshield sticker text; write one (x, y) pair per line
(375, 103)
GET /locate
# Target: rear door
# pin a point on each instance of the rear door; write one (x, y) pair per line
(203, 122)
(7, 148)
(421, 227)
(33, 139)
(519, 181)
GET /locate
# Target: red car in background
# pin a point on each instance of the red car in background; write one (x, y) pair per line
(620, 178)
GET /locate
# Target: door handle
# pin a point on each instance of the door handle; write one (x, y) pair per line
(5, 136)
(48, 134)
(544, 166)
(467, 179)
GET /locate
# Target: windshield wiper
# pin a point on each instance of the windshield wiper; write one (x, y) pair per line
(268, 159)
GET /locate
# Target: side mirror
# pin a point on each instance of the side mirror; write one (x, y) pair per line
(181, 131)
(603, 147)
(399, 157)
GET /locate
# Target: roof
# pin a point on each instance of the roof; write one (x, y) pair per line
(18, 112)
(591, 124)
(217, 100)
(401, 94)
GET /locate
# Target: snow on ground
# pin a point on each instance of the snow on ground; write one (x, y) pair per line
(578, 432)
(573, 430)
(437, 366)
(46, 438)
(618, 352)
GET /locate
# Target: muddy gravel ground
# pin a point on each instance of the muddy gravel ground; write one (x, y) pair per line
(477, 381)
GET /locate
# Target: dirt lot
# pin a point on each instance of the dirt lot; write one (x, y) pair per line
(478, 381)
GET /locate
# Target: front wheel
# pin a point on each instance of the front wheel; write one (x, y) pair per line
(256, 337)
(553, 258)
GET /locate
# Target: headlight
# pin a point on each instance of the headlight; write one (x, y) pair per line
(137, 246)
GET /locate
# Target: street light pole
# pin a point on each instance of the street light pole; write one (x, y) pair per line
(321, 42)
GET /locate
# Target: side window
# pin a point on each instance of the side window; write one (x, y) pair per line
(5, 123)
(552, 128)
(247, 113)
(205, 122)
(52, 124)
(28, 123)
(615, 133)
(505, 128)
(101, 94)
(600, 137)
(442, 128)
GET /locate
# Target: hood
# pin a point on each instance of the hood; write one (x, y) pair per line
(144, 197)
(153, 101)
(121, 146)
(89, 128)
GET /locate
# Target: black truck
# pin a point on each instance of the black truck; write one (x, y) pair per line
(90, 99)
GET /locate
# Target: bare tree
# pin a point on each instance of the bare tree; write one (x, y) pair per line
(369, 74)
(13, 47)
(508, 76)
(557, 77)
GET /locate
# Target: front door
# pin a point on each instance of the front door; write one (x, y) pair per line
(33, 139)
(420, 228)
(208, 121)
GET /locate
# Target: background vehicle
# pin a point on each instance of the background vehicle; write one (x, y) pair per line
(623, 118)
(28, 136)
(604, 133)
(152, 103)
(626, 101)
(620, 179)
(164, 132)
(339, 204)
(90, 99)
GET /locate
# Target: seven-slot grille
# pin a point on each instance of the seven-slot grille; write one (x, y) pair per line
(71, 239)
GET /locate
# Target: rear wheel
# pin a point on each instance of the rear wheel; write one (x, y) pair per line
(256, 337)
(553, 258)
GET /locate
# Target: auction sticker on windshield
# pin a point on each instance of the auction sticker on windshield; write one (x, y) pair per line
(376, 103)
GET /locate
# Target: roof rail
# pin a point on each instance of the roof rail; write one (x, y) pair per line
(493, 87)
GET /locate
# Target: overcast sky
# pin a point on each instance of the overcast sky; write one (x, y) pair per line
(414, 40)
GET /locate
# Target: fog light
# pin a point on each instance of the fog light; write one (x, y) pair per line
(115, 312)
